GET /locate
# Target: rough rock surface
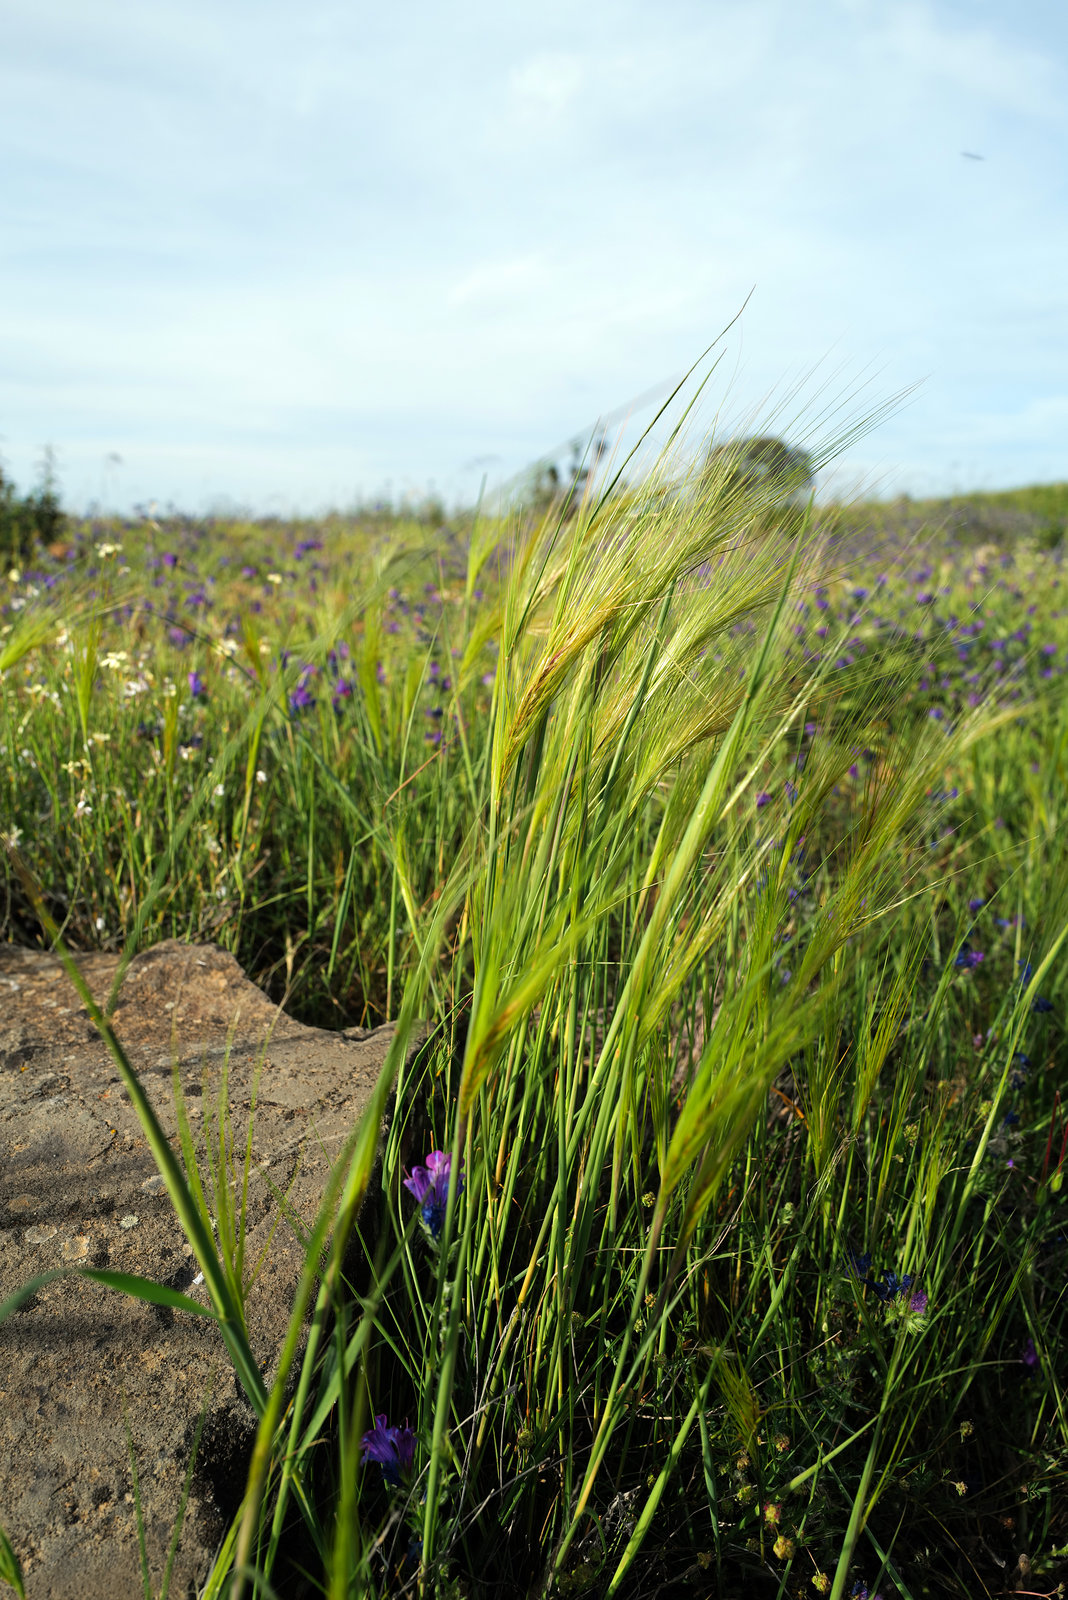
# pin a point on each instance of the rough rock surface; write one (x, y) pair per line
(78, 1186)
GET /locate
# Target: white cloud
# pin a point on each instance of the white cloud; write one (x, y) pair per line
(546, 84)
(497, 284)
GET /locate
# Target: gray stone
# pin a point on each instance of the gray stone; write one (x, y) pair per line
(78, 1186)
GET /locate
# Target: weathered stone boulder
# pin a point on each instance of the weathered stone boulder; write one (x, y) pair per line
(78, 1186)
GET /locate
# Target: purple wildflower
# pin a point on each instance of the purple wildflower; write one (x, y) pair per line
(891, 1286)
(762, 799)
(430, 1186)
(197, 687)
(1029, 1355)
(891, 1289)
(342, 690)
(169, 559)
(300, 699)
(969, 958)
(393, 1449)
(860, 1264)
(248, 572)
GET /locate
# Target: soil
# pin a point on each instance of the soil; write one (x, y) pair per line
(88, 1374)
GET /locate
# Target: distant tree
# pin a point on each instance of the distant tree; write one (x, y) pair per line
(774, 477)
(31, 519)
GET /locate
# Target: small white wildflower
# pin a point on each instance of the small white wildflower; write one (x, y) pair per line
(14, 576)
(274, 577)
(218, 791)
(12, 837)
(83, 808)
(99, 924)
(261, 776)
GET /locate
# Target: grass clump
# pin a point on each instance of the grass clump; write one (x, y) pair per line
(719, 1243)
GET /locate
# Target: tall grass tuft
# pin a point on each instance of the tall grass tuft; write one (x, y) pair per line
(697, 1256)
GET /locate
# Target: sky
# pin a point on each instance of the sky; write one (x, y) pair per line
(287, 257)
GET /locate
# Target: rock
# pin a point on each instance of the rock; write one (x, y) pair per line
(78, 1186)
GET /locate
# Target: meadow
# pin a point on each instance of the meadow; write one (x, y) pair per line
(719, 1243)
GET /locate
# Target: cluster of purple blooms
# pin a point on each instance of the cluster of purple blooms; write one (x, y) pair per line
(907, 608)
(430, 1186)
(890, 1288)
(968, 958)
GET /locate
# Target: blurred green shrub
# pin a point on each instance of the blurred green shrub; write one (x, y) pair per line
(771, 478)
(31, 519)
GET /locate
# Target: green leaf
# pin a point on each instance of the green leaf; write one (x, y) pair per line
(16, 1301)
(158, 1294)
(10, 1571)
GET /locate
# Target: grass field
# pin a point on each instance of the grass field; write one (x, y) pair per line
(727, 863)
